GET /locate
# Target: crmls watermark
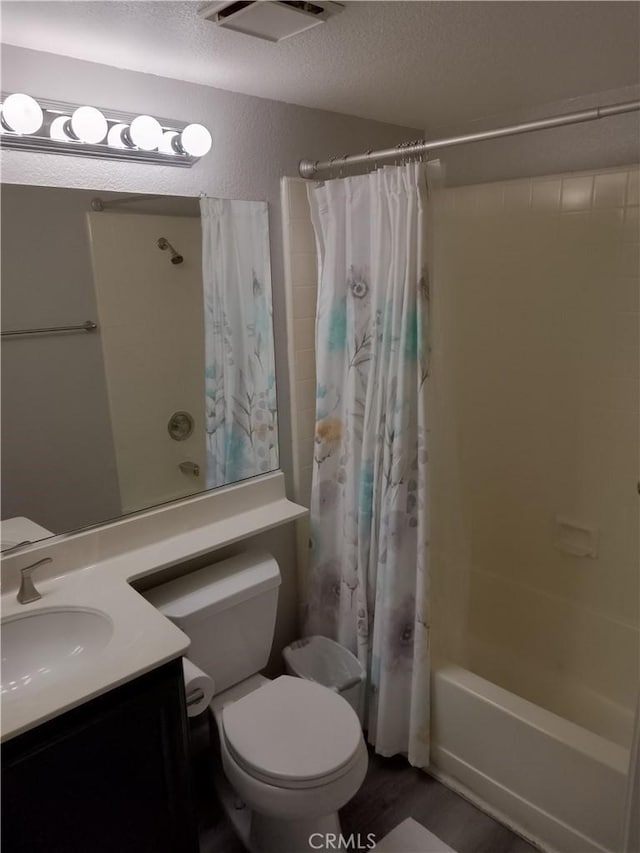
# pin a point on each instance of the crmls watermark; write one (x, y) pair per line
(333, 841)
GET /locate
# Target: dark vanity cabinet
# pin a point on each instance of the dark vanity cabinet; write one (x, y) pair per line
(111, 776)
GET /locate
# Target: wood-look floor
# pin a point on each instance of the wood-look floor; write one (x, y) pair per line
(392, 791)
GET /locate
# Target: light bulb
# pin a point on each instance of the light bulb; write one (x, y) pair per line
(89, 125)
(145, 133)
(22, 114)
(57, 129)
(166, 144)
(114, 137)
(195, 139)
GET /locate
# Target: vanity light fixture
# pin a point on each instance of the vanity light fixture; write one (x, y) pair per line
(60, 128)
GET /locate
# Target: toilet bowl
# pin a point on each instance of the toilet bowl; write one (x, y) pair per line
(291, 750)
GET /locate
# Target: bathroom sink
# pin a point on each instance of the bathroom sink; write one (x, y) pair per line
(44, 647)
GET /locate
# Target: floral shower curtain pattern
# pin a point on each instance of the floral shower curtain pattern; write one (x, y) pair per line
(240, 402)
(369, 575)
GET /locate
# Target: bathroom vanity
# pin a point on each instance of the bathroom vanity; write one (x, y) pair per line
(94, 725)
(110, 775)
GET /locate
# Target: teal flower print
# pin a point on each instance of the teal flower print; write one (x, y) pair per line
(337, 336)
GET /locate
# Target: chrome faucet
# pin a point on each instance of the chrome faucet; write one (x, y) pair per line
(27, 592)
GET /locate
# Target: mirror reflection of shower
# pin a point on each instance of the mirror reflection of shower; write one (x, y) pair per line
(176, 257)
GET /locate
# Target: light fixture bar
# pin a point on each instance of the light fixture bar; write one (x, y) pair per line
(42, 142)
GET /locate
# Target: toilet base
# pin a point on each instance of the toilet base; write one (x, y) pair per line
(262, 834)
(273, 835)
(237, 812)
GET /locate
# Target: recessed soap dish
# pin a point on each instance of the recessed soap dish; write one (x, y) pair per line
(579, 540)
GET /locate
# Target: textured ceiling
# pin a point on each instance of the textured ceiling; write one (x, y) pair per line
(418, 64)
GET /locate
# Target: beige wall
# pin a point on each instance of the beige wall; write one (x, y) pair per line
(544, 279)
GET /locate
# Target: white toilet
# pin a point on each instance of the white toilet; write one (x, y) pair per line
(291, 749)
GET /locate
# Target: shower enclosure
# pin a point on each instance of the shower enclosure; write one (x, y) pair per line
(537, 593)
(535, 533)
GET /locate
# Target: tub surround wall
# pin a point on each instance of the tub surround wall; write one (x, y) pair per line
(545, 285)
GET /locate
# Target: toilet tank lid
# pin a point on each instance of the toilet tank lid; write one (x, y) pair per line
(216, 587)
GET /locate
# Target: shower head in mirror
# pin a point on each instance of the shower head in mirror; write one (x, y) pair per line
(176, 257)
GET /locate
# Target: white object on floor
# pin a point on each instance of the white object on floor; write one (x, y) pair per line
(411, 837)
(327, 662)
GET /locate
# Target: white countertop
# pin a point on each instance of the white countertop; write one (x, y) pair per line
(143, 638)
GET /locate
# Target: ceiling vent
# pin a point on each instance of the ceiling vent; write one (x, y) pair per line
(272, 20)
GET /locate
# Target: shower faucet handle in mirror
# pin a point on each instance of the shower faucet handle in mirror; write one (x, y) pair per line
(180, 426)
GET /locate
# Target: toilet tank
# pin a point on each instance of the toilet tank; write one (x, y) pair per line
(228, 610)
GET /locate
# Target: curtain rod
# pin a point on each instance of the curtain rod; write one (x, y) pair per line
(312, 168)
(100, 204)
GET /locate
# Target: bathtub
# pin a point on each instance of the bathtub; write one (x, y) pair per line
(553, 781)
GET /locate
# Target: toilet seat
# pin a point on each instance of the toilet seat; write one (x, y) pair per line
(292, 733)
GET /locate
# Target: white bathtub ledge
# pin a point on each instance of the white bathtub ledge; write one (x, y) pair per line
(561, 784)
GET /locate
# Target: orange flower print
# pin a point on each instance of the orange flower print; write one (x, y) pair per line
(328, 437)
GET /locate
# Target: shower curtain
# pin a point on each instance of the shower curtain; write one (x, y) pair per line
(369, 572)
(240, 391)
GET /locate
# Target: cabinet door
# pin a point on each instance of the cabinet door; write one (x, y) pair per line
(110, 776)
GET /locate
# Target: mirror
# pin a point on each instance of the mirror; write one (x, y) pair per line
(170, 388)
